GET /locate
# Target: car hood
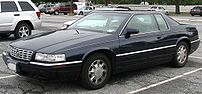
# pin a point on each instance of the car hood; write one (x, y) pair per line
(49, 42)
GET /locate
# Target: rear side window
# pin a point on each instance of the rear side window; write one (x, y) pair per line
(8, 6)
(161, 22)
(25, 6)
(143, 23)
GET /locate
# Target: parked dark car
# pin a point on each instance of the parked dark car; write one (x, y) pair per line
(196, 11)
(101, 44)
(61, 8)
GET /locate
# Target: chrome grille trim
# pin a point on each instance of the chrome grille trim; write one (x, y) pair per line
(20, 53)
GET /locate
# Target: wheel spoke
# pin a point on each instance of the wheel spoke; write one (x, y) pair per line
(92, 78)
(96, 81)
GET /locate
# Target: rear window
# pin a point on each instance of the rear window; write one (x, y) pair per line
(25, 6)
(8, 6)
(197, 7)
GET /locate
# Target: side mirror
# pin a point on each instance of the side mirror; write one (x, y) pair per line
(130, 31)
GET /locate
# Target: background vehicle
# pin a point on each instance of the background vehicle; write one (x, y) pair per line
(43, 7)
(67, 24)
(196, 11)
(123, 7)
(160, 9)
(63, 7)
(84, 10)
(18, 20)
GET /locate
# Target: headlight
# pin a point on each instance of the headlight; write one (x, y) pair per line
(50, 57)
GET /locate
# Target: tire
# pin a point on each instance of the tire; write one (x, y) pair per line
(192, 14)
(22, 30)
(65, 13)
(56, 12)
(81, 13)
(181, 55)
(96, 67)
(5, 35)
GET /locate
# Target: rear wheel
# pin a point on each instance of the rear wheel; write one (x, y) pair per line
(65, 13)
(22, 30)
(95, 72)
(81, 13)
(181, 55)
(192, 14)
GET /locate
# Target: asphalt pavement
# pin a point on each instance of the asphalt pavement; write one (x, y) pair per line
(161, 79)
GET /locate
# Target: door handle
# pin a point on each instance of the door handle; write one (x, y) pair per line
(16, 14)
(159, 37)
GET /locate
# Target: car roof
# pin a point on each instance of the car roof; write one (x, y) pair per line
(127, 12)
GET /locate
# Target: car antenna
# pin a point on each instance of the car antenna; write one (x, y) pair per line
(77, 31)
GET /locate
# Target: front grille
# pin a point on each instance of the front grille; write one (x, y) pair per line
(21, 53)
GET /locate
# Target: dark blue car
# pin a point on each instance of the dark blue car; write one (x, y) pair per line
(101, 44)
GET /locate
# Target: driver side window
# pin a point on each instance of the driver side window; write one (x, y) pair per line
(143, 23)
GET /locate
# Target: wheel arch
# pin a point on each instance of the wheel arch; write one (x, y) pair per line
(27, 22)
(186, 40)
(107, 52)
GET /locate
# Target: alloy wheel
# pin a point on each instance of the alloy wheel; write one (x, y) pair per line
(24, 31)
(97, 72)
(182, 54)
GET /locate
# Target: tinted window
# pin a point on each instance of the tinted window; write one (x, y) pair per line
(143, 23)
(161, 22)
(25, 6)
(8, 6)
(103, 23)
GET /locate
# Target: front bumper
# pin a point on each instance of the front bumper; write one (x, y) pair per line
(44, 71)
(49, 11)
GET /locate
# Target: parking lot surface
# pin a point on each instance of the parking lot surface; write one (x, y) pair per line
(161, 79)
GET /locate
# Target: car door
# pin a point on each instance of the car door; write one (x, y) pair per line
(141, 48)
(168, 37)
(8, 14)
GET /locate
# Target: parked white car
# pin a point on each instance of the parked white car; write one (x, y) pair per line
(160, 9)
(67, 24)
(84, 10)
(18, 17)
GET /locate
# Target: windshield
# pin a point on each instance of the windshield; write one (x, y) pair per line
(83, 8)
(103, 23)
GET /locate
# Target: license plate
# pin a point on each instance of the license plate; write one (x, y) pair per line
(12, 66)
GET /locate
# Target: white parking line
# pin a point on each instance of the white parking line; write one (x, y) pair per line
(196, 57)
(0, 55)
(10, 76)
(163, 82)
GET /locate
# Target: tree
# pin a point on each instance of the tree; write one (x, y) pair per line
(177, 6)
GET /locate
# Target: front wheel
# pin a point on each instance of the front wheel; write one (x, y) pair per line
(22, 30)
(95, 72)
(56, 12)
(181, 55)
(81, 13)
